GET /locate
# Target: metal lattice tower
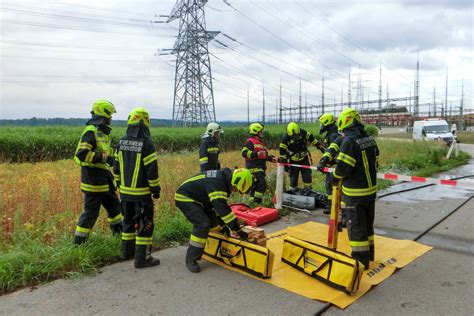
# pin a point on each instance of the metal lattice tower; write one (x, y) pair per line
(193, 102)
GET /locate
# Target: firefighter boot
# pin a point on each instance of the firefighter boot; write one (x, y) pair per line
(192, 256)
(143, 258)
(116, 229)
(372, 252)
(128, 249)
(79, 240)
(363, 257)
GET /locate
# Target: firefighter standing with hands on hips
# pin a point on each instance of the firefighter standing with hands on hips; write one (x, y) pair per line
(203, 201)
(332, 141)
(356, 168)
(256, 156)
(95, 156)
(209, 150)
(136, 173)
(294, 150)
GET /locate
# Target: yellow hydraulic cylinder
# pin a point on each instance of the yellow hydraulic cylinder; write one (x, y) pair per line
(334, 217)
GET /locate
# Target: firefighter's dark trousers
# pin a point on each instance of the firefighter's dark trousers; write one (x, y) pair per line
(305, 173)
(203, 221)
(87, 219)
(260, 184)
(360, 214)
(138, 226)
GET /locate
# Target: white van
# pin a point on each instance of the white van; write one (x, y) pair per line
(433, 129)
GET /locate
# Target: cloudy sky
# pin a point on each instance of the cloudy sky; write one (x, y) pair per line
(57, 57)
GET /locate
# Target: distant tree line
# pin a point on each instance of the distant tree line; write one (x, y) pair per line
(392, 108)
(34, 121)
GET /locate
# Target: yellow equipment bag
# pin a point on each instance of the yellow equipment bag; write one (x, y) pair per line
(331, 267)
(248, 257)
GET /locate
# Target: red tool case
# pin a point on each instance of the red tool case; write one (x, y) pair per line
(254, 216)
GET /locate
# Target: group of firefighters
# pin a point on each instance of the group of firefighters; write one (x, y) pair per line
(132, 169)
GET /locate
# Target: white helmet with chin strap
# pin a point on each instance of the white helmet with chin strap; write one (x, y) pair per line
(213, 128)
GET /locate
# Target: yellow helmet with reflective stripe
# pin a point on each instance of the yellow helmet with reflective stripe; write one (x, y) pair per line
(326, 119)
(103, 108)
(292, 129)
(138, 115)
(256, 128)
(242, 179)
(213, 128)
(347, 118)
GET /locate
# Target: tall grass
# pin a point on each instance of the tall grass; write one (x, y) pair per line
(50, 143)
(40, 204)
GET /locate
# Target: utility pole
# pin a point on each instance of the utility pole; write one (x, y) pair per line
(193, 102)
(417, 86)
(446, 95)
(305, 107)
(322, 97)
(300, 106)
(263, 104)
(380, 87)
(248, 106)
(461, 109)
(434, 101)
(281, 107)
(349, 88)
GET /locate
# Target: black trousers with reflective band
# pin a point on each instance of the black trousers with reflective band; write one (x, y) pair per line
(92, 203)
(138, 218)
(203, 221)
(329, 188)
(259, 185)
(295, 173)
(360, 212)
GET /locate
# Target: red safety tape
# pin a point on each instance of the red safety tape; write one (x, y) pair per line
(397, 177)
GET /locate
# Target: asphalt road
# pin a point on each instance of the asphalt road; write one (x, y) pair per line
(439, 283)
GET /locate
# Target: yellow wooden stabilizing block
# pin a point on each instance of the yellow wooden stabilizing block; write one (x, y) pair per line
(390, 255)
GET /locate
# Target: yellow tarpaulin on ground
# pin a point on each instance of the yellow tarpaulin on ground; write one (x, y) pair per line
(390, 255)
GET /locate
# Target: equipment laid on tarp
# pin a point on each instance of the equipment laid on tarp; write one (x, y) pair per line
(245, 256)
(254, 216)
(333, 268)
(391, 254)
(306, 198)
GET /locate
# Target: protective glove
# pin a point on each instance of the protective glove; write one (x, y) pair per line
(322, 164)
(320, 147)
(281, 160)
(156, 193)
(262, 154)
(110, 160)
(226, 231)
(271, 158)
(243, 235)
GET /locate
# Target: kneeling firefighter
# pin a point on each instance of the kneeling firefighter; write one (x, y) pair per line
(294, 150)
(357, 169)
(203, 200)
(256, 156)
(136, 173)
(95, 156)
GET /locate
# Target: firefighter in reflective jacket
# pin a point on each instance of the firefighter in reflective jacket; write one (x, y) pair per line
(256, 156)
(294, 149)
(203, 201)
(95, 156)
(136, 173)
(209, 150)
(357, 169)
(332, 142)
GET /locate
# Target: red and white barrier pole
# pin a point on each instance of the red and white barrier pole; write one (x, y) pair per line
(466, 184)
